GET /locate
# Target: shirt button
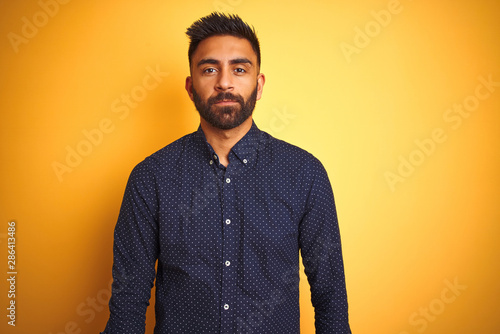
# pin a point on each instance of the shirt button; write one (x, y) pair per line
(228, 180)
(211, 161)
(226, 306)
(228, 263)
(245, 161)
(228, 221)
(215, 156)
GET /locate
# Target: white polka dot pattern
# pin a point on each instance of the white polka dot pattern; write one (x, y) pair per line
(227, 241)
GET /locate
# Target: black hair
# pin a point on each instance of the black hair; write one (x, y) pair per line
(219, 24)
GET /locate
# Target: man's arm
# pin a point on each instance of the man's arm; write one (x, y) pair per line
(321, 251)
(135, 251)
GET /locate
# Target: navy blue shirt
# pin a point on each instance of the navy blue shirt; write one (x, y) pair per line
(227, 241)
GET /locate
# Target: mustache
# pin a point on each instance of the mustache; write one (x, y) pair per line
(226, 96)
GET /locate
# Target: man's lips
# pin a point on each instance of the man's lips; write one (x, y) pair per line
(226, 102)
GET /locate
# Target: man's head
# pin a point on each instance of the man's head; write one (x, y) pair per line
(218, 24)
(225, 81)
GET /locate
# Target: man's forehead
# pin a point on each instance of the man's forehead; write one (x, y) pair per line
(225, 48)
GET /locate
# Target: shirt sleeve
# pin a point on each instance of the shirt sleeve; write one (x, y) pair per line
(319, 240)
(135, 251)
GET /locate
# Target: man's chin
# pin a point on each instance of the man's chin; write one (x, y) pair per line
(224, 125)
(226, 122)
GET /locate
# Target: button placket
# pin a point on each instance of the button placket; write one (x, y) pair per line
(229, 245)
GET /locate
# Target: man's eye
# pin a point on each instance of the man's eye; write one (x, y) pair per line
(209, 70)
(240, 70)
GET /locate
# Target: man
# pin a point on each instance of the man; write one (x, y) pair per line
(225, 211)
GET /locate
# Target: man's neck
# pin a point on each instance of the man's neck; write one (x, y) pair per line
(222, 141)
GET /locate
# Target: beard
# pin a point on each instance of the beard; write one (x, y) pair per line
(225, 117)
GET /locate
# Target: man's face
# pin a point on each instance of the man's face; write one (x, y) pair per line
(225, 81)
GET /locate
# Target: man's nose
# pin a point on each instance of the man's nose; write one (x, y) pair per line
(224, 80)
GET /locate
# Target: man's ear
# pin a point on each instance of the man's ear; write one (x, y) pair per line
(189, 87)
(261, 79)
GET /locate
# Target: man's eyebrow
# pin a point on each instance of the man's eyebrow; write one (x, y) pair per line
(208, 61)
(231, 62)
(240, 61)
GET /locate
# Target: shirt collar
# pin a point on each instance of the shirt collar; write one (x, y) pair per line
(245, 150)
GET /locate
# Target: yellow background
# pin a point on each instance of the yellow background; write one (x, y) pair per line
(360, 112)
